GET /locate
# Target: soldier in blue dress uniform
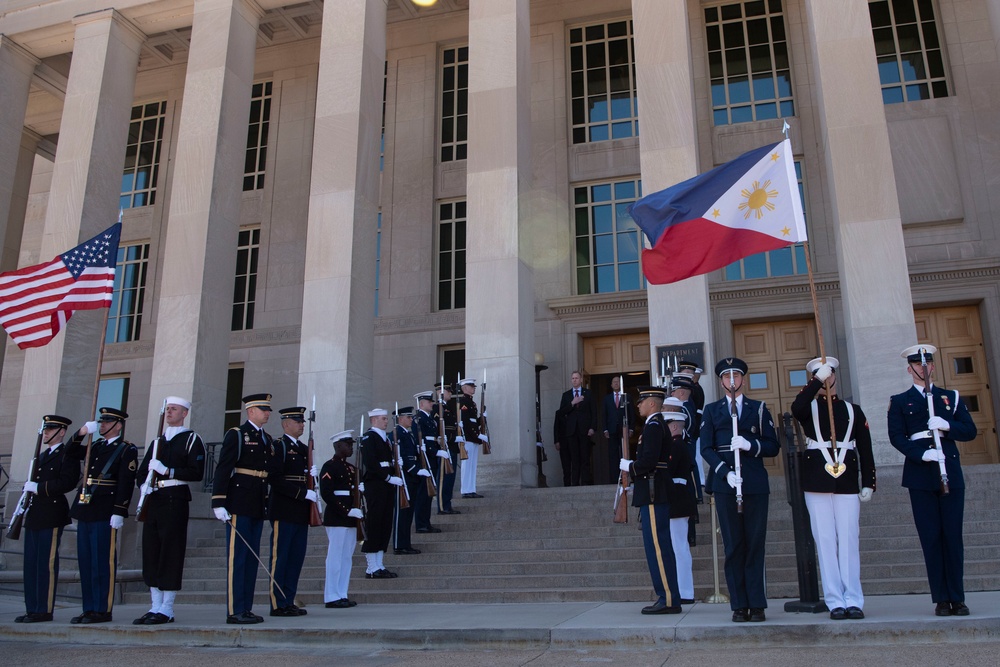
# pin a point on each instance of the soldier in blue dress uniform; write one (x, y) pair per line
(100, 510)
(650, 474)
(239, 498)
(289, 510)
(938, 516)
(406, 441)
(338, 485)
(743, 534)
(44, 520)
(425, 429)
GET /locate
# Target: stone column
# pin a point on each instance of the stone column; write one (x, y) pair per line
(338, 310)
(191, 357)
(862, 190)
(668, 153)
(500, 300)
(83, 200)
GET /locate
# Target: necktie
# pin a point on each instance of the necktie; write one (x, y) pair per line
(616, 399)
(576, 393)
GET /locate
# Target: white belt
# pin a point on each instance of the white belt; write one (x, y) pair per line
(384, 464)
(922, 435)
(164, 483)
(341, 493)
(680, 480)
(815, 444)
(430, 438)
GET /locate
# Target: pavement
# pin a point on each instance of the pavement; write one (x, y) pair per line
(891, 620)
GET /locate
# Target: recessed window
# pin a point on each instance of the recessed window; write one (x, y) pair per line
(963, 365)
(142, 155)
(798, 378)
(234, 398)
(608, 245)
(757, 380)
(454, 104)
(908, 50)
(125, 316)
(451, 255)
(257, 133)
(245, 287)
(602, 82)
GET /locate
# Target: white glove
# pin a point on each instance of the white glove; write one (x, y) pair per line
(423, 447)
(221, 514)
(399, 461)
(933, 455)
(31, 487)
(355, 513)
(361, 487)
(459, 438)
(395, 481)
(117, 521)
(483, 438)
(484, 414)
(91, 427)
(823, 372)
(624, 464)
(157, 466)
(865, 495)
(314, 471)
(936, 423)
(444, 453)
(739, 442)
(733, 480)
(423, 473)
(311, 496)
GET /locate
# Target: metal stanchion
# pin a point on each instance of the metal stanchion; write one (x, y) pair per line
(805, 547)
(717, 597)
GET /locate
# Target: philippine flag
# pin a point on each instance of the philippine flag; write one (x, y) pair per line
(738, 209)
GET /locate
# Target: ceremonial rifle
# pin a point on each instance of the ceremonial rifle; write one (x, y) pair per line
(315, 512)
(540, 456)
(402, 491)
(357, 499)
(621, 497)
(928, 391)
(484, 429)
(24, 503)
(736, 453)
(422, 459)
(460, 429)
(446, 467)
(147, 487)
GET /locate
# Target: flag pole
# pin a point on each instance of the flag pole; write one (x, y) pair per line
(84, 490)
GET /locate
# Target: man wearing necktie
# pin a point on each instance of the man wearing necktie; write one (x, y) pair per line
(613, 412)
(577, 412)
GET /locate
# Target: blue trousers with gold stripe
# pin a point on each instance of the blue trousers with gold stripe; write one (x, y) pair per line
(288, 553)
(98, 557)
(655, 521)
(242, 562)
(41, 569)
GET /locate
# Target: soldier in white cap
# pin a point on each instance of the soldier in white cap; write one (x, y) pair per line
(381, 484)
(338, 484)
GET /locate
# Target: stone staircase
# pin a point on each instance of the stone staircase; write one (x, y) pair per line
(559, 544)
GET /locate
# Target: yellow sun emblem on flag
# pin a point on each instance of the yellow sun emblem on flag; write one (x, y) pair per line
(757, 199)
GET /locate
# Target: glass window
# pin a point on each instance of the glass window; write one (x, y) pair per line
(112, 392)
(451, 255)
(142, 155)
(908, 50)
(608, 244)
(234, 398)
(245, 287)
(749, 73)
(454, 104)
(757, 380)
(260, 121)
(963, 366)
(798, 378)
(125, 316)
(602, 82)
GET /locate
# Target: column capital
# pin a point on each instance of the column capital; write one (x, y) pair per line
(115, 16)
(9, 45)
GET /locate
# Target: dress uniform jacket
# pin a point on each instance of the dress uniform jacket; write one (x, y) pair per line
(858, 460)
(450, 426)
(110, 479)
(287, 476)
(651, 469)
(470, 418)
(240, 483)
(56, 476)
(337, 486)
(377, 460)
(908, 415)
(184, 456)
(681, 496)
(716, 432)
(425, 427)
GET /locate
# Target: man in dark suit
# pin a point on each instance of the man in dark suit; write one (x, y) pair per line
(616, 411)
(743, 535)
(938, 515)
(577, 407)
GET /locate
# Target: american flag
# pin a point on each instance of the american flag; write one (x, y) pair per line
(36, 301)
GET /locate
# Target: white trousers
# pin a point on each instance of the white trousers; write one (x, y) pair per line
(469, 466)
(338, 561)
(834, 521)
(682, 556)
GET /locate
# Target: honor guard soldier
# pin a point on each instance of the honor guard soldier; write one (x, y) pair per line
(404, 438)
(691, 371)
(682, 500)
(44, 519)
(338, 484)
(380, 490)
(446, 487)
(288, 510)
(179, 460)
(650, 474)
(933, 474)
(681, 388)
(100, 509)
(239, 498)
(829, 479)
(616, 411)
(425, 428)
(469, 414)
(755, 439)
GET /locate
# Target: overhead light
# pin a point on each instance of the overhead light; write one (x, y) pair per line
(424, 3)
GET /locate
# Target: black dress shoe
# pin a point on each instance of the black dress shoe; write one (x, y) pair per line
(79, 619)
(432, 529)
(96, 617)
(284, 611)
(21, 618)
(244, 618)
(351, 603)
(959, 609)
(942, 609)
(299, 610)
(660, 608)
(855, 613)
(756, 615)
(158, 619)
(381, 574)
(407, 552)
(448, 512)
(741, 615)
(142, 619)
(342, 603)
(36, 618)
(838, 614)
(687, 600)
